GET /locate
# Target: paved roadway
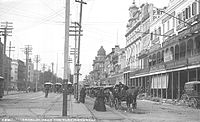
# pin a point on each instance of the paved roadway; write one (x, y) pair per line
(36, 106)
(147, 111)
(30, 106)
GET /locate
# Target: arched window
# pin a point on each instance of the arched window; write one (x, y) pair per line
(197, 45)
(177, 52)
(182, 50)
(172, 52)
(166, 55)
(189, 47)
(154, 59)
(158, 57)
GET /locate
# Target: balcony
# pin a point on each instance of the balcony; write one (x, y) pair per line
(176, 64)
(157, 67)
(143, 53)
(195, 59)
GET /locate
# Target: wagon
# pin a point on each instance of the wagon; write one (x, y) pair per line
(191, 94)
(119, 95)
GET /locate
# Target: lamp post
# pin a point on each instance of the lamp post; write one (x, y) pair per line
(78, 67)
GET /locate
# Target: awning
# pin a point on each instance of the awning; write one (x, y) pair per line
(159, 82)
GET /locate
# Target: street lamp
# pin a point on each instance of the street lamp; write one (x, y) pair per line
(78, 67)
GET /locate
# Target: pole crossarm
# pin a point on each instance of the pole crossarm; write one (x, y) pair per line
(80, 2)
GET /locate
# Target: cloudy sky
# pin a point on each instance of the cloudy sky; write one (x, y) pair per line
(40, 23)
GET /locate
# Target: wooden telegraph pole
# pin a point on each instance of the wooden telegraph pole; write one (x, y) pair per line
(66, 56)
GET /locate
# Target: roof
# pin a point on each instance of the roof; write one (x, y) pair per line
(193, 82)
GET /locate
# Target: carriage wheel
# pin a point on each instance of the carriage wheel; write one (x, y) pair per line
(110, 102)
(116, 103)
(193, 103)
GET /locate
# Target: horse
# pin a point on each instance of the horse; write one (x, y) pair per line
(132, 97)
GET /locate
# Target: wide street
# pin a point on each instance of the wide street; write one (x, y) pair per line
(34, 106)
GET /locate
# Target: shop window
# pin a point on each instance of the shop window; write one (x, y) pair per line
(189, 47)
(176, 52)
(197, 45)
(182, 50)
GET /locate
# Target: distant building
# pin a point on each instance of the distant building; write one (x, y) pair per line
(14, 74)
(97, 74)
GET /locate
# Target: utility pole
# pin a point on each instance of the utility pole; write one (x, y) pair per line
(27, 51)
(74, 52)
(43, 69)
(79, 39)
(52, 65)
(37, 60)
(66, 56)
(9, 71)
(5, 26)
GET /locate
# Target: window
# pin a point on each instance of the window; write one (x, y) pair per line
(194, 8)
(159, 30)
(184, 15)
(197, 45)
(176, 52)
(190, 47)
(154, 59)
(158, 57)
(189, 12)
(172, 52)
(182, 50)
(150, 60)
(168, 25)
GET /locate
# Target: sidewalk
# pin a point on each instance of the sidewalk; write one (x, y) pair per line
(74, 111)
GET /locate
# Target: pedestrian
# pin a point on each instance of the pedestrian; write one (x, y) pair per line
(47, 88)
(82, 95)
(99, 104)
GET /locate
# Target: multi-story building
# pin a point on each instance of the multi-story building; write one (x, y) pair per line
(133, 41)
(174, 54)
(14, 74)
(113, 66)
(21, 83)
(98, 75)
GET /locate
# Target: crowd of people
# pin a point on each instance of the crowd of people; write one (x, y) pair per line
(100, 95)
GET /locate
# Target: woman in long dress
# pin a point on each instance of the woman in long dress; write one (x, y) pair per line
(99, 104)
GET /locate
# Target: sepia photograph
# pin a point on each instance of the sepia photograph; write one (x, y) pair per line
(99, 60)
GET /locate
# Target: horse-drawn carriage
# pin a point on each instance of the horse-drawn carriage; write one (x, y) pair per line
(191, 94)
(116, 94)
